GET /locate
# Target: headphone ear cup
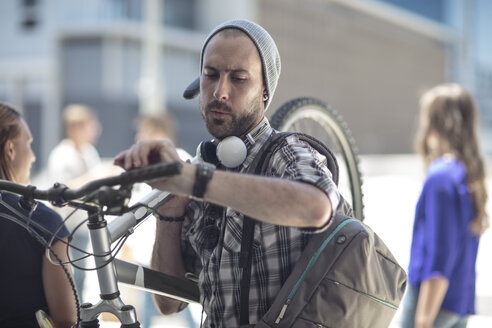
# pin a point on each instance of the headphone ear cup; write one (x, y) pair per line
(208, 152)
(231, 152)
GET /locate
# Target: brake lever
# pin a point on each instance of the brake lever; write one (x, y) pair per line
(107, 200)
(114, 201)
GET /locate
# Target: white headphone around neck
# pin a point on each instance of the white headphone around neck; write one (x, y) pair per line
(230, 151)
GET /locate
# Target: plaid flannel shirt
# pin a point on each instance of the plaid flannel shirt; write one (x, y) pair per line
(275, 248)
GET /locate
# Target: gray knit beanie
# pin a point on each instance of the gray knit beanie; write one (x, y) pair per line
(270, 58)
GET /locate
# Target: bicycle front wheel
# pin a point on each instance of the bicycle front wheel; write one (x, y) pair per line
(313, 117)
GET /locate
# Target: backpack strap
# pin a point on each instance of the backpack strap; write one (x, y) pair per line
(258, 166)
(246, 253)
(245, 259)
(320, 147)
(271, 145)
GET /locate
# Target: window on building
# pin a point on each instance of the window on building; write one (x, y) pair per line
(180, 13)
(30, 13)
(434, 9)
(126, 9)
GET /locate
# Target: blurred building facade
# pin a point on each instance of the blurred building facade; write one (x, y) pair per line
(367, 59)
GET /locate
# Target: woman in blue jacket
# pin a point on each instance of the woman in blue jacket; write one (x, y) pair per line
(450, 214)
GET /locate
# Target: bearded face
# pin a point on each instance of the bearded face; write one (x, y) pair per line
(231, 85)
(222, 120)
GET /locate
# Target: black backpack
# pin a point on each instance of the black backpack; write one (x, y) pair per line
(345, 277)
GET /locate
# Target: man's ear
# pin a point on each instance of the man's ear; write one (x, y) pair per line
(8, 149)
(265, 94)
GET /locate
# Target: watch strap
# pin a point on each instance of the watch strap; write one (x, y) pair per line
(203, 175)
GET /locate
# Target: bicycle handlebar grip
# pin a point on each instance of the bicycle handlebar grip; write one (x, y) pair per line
(60, 193)
(133, 176)
(151, 172)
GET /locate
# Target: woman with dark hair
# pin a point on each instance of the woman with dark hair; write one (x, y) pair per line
(450, 214)
(29, 281)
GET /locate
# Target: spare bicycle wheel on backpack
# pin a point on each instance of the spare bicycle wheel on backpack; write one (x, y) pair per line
(313, 117)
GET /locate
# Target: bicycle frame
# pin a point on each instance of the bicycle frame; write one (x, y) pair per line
(102, 236)
(110, 271)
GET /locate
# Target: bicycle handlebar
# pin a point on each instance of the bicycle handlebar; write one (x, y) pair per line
(60, 193)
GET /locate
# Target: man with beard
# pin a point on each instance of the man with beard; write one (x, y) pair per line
(200, 229)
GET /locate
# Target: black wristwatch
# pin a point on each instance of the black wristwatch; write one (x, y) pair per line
(204, 173)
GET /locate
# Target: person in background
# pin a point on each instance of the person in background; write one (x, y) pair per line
(158, 126)
(74, 159)
(73, 162)
(151, 127)
(28, 280)
(450, 214)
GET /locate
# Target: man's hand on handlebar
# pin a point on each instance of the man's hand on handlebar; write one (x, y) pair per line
(147, 152)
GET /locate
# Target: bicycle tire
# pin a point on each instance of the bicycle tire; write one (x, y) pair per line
(312, 116)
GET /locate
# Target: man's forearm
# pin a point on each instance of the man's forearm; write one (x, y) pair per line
(271, 200)
(166, 258)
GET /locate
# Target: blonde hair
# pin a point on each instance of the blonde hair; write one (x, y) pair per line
(10, 119)
(77, 113)
(448, 125)
(162, 124)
